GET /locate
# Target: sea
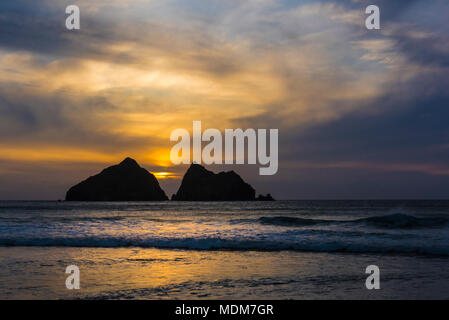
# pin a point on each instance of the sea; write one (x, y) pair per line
(225, 250)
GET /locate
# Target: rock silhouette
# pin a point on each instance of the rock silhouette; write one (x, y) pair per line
(126, 181)
(199, 184)
(268, 197)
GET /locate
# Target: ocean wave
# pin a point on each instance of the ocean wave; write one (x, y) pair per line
(391, 221)
(404, 221)
(212, 243)
(292, 221)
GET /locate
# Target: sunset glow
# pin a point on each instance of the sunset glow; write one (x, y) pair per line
(120, 85)
(166, 175)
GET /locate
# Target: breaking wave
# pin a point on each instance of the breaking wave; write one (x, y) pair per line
(391, 221)
(214, 243)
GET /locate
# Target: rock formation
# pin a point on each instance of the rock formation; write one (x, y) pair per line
(126, 181)
(200, 184)
(268, 197)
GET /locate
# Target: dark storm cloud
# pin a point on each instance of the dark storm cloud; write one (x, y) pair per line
(428, 50)
(39, 28)
(33, 26)
(409, 122)
(408, 125)
(412, 130)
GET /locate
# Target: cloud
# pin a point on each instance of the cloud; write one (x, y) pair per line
(343, 97)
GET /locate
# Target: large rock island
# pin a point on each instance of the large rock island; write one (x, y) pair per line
(126, 181)
(200, 184)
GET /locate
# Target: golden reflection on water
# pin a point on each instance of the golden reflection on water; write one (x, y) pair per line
(139, 273)
(152, 268)
(143, 273)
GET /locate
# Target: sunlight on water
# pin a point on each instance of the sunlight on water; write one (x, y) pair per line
(279, 250)
(138, 273)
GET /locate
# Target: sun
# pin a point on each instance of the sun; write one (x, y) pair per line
(165, 175)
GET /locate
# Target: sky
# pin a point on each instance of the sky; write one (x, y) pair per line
(362, 114)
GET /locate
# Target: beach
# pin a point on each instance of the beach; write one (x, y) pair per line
(236, 250)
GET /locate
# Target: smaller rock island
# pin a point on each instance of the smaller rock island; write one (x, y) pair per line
(268, 197)
(200, 184)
